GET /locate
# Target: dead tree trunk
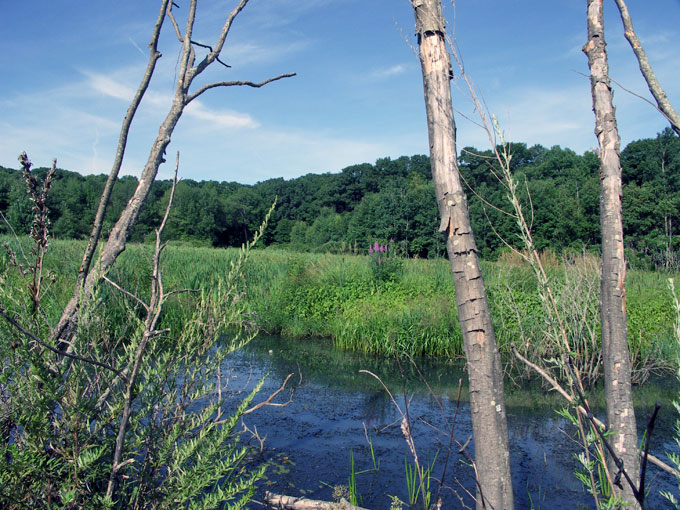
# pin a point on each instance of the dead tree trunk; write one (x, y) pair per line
(616, 358)
(487, 401)
(188, 71)
(154, 55)
(665, 106)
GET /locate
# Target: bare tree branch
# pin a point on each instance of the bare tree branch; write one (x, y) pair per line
(615, 349)
(293, 503)
(178, 32)
(655, 88)
(127, 293)
(118, 236)
(237, 83)
(154, 55)
(160, 229)
(153, 313)
(485, 374)
(210, 57)
(210, 48)
(268, 401)
(181, 291)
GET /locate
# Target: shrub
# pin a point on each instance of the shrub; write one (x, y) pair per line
(134, 421)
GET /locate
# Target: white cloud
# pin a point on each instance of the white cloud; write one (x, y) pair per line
(387, 72)
(107, 86)
(217, 118)
(290, 153)
(547, 116)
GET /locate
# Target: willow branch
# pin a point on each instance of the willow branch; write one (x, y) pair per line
(47, 346)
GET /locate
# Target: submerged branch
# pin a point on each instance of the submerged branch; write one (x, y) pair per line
(556, 386)
(268, 402)
(291, 503)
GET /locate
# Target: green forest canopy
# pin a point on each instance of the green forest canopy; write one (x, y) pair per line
(391, 200)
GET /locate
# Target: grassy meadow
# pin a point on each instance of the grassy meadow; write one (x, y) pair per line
(407, 305)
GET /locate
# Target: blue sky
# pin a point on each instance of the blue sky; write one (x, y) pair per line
(70, 68)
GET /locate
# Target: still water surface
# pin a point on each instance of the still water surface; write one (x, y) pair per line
(336, 410)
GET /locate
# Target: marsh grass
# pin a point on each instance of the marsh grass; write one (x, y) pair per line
(337, 296)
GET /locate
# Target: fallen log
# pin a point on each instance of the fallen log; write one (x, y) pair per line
(290, 503)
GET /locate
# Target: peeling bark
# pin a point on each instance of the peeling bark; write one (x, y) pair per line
(616, 357)
(487, 402)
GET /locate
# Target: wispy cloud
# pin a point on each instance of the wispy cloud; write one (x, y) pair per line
(157, 103)
(107, 86)
(387, 72)
(219, 119)
(312, 152)
(252, 52)
(132, 41)
(279, 13)
(547, 116)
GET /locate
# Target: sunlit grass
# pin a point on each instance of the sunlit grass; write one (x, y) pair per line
(338, 297)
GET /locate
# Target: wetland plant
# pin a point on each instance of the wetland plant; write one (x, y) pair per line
(113, 421)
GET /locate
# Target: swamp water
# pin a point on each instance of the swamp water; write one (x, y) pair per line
(338, 413)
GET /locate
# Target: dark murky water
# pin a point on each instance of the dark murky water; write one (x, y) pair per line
(336, 411)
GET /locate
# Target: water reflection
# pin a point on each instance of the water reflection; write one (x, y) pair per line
(336, 408)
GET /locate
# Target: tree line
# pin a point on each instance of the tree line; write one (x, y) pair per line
(391, 199)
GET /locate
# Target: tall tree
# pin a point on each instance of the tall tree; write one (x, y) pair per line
(616, 357)
(188, 71)
(487, 400)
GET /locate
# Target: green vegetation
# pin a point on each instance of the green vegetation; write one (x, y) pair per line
(392, 199)
(674, 458)
(409, 307)
(129, 414)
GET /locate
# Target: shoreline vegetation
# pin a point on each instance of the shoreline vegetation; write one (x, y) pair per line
(379, 303)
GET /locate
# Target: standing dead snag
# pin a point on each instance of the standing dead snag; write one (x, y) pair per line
(154, 55)
(487, 401)
(188, 70)
(616, 357)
